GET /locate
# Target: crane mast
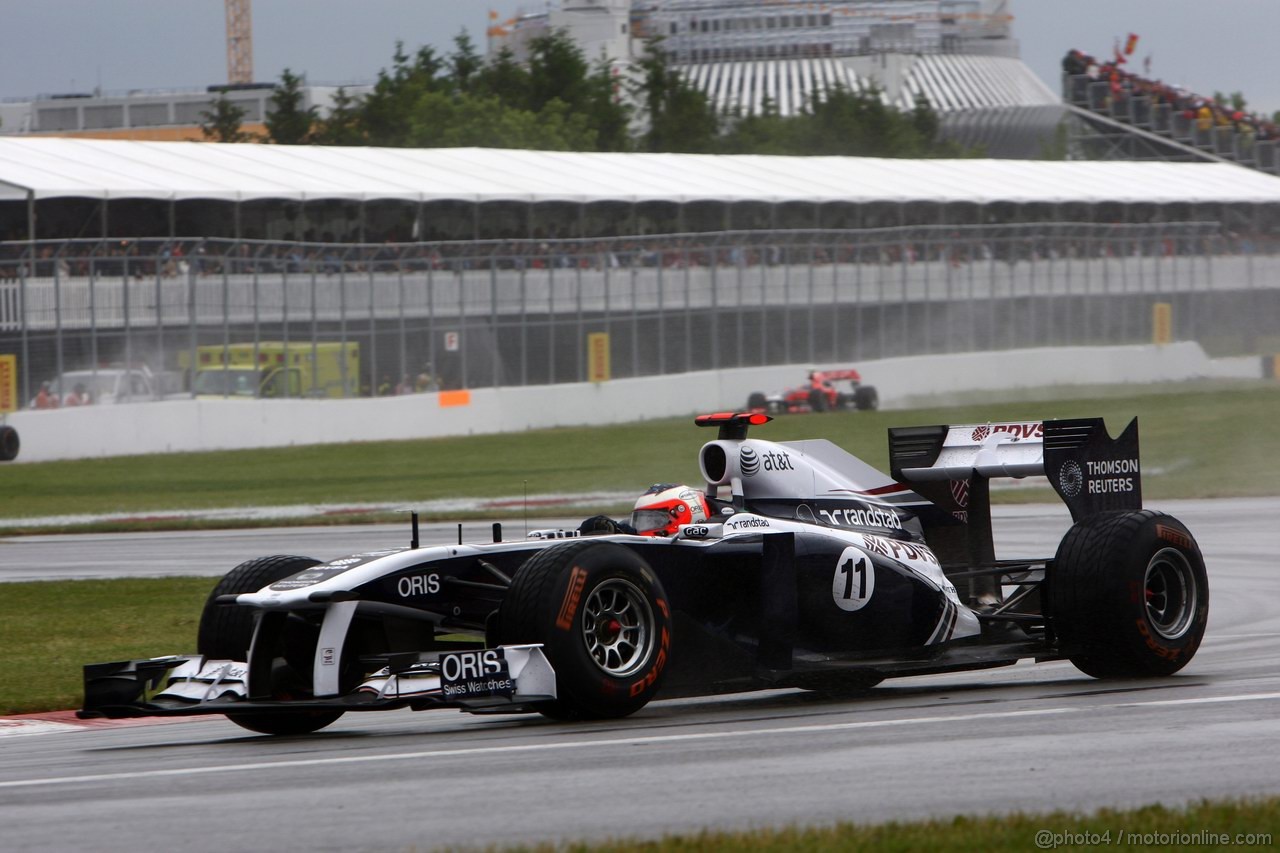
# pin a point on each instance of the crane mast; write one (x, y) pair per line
(239, 41)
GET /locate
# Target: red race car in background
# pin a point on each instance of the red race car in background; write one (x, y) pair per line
(826, 391)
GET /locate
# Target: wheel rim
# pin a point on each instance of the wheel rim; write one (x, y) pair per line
(617, 627)
(1170, 593)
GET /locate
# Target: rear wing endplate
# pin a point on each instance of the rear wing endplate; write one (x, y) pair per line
(1089, 470)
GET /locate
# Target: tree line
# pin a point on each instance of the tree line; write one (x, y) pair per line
(559, 101)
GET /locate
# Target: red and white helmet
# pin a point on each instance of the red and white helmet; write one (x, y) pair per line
(661, 510)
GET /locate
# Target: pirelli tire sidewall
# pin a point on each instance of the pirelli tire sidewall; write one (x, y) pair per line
(1129, 595)
(564, 597)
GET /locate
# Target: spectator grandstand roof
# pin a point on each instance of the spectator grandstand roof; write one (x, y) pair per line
(43, 168)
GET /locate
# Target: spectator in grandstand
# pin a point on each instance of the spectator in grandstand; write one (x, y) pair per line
(1074, 63)
(426, 381)
(45, 398)
(77, 397)
(1204, 118)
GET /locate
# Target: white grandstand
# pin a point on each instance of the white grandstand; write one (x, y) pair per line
(749, 55)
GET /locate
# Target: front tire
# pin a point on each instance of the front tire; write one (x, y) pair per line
(226, 632)
(604, 623)
(1128, 595)
(757, 401)
(9, 443)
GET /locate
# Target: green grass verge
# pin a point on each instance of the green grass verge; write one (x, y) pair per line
(1231, 824)
(1202, 440)
(50, 630)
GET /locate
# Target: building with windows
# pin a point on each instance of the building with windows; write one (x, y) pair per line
(753, 55)
(150, 115)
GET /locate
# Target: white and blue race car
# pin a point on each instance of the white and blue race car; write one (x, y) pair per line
(805, 567)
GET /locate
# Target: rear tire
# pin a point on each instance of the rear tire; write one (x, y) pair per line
(818, 401)
(9, 443)
(866, 398)
(757, 402)
(1128, 596)
(603, 620)
(226, 632)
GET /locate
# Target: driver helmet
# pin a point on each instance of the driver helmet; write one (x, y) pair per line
(661, 510)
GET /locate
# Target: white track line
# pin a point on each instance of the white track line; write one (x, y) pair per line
(623, 741)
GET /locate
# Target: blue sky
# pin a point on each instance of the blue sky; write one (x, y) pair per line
(50, 46)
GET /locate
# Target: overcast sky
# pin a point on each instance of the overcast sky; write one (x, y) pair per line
(51, 46)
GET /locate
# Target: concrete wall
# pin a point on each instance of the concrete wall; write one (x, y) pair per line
(190, 425)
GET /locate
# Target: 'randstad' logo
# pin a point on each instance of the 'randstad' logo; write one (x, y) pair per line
(749, 462)
(981, 432)
(1071, 478)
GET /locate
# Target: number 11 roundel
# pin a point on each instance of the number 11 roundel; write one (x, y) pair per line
(854, 580)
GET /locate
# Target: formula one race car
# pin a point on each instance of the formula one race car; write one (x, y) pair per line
(826, 391)
(798, 565)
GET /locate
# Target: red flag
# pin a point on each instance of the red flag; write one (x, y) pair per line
(1131, 44)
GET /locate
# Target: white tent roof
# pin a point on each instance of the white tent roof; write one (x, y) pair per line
(60, 167)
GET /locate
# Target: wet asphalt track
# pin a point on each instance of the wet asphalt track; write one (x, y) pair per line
(1030, 737)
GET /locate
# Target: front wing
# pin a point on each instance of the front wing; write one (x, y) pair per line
(504, 678)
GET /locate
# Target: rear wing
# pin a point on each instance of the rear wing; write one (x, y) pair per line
(952, 466)
(838, 375)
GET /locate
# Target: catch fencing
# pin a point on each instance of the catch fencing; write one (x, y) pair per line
(427, 316)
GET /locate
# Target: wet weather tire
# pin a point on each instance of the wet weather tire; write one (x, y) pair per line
(226, 632)
(866, 398)
(1128, 596)
(604, 622)
(9, 443)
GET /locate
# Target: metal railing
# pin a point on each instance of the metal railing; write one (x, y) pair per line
(483, 314)
(1239, 141)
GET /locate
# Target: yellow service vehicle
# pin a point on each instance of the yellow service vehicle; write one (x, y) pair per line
(273, 369)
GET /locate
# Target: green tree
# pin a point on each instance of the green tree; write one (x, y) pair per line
(386, 114)
(557, 71)
(679, 118)
(442, 120)
(506, 79)
(222, 121)
(464, 63)
(342, 126)
(840, 122)
(1234, 101)
(287, 122)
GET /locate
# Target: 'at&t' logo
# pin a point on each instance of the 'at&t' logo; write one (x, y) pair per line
(751, 462)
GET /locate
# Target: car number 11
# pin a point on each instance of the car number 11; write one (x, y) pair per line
(854, 580)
